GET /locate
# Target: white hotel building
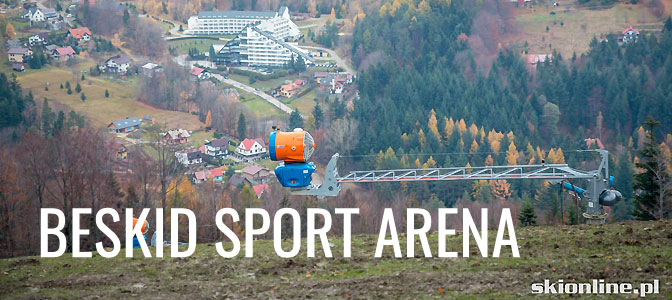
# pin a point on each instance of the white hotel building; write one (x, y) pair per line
(233, 22)
(261, 37)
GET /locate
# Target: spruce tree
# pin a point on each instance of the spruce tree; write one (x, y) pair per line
(242, 126)
(527, 217)
(318, 115)
(653, 184)
(295, 120)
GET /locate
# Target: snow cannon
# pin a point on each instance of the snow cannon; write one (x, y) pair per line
(293, 149)
(296, 146)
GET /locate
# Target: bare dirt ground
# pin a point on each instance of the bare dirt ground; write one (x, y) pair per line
(632, 252)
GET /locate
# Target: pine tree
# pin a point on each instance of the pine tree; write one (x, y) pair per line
(107, 94)
(242, 126)
(295, 120)
(653, 184)
(527, 217)
(318, 115)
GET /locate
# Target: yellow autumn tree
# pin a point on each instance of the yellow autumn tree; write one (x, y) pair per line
(461, 127)
(473, 129)
(512, 154)
(423, 7)
(433, 124)
(208, 119)
(550, 158)
(461, 144)
(9, 31)
(500, 188)
(468, 166)
(481, 133)
(332, 15)
(540, 154)
(489, 161)
(404, 139)
(421, 138)
(430, 163)
(494, 139)
(418, 164)
(559, 156)
(474, 147)
(448, 128)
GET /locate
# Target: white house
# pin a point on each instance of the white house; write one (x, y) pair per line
(217, 148)
(118, 64)
(39, 38)
(251, 147)
(189, 157)
(35, 15)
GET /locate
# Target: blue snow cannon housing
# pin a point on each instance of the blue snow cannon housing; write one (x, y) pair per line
(295, 174)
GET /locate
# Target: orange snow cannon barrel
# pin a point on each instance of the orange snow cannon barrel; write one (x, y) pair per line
(296, 146)
(145, 226)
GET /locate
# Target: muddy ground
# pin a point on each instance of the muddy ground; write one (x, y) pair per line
(625, 252)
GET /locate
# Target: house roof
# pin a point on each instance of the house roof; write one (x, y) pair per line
(151, 66)
(51, 48)
(18, 50)
(219, 142)
(629, 29)
(289, 47)
(78, 33)
(248, 143)
(49, 12)
(194, 155)
(251, 169)
(261, 142)
(119, 59)
(196, 71)
(234, 14)
(202, 175)
(125, 123)
(216, 172)
(260, 188)
(236, 180)
(17, 66)
(178, 133)
(65, 51)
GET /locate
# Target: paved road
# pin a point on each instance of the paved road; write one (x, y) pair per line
(341, 62)
(249, 89)
(181, 60)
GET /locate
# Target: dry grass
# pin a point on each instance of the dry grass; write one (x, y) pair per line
(579, 25)
(99, 111)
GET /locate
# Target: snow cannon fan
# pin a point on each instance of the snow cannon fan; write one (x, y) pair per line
(293, 149)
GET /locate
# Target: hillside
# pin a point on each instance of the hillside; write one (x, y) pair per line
(627, 252)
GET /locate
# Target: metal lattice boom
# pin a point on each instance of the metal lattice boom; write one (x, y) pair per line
(548, 172)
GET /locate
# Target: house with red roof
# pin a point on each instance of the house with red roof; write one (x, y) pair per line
(64, 53)
(217, 175)
(82, 34)
(251, 148)
(199, 73)
(630, 34)
(291, 89)
(259, 189)
(255, 173)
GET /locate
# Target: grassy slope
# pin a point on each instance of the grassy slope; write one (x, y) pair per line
(580, 25)
(629, 252)
(99, 110)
